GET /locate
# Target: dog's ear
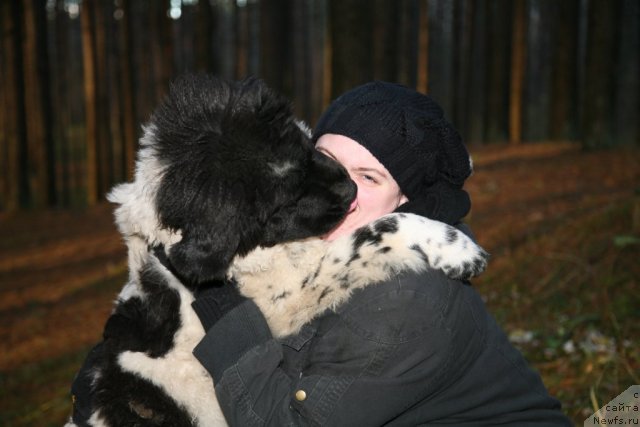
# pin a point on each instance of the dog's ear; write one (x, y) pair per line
(203, 255)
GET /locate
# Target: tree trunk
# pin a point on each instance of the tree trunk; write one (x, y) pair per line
(242, 41)
(36, 105)
(422, 78)
(253, 49)
(127, 97)
(317, 18)
(627, 87)
(497, 114)
(563, 113)
(598, 102)
(90, 95)
(385, 17)
(441, 48)
(276, 46)
(407, 48)
(204, 37)
(104, 157)
(351, 44)
(463, 26)
(538, 81)
(114, 117)
(518, 60)
(478, 80)
(299, 36)
(62, 116)
(226, 38)
(12, 132)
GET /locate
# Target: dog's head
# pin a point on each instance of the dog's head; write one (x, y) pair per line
(225, 167)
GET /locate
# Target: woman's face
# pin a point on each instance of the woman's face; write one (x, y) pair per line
(378, 193)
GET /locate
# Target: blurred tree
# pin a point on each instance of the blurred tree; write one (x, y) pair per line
(162, 52)
(319, 68)
(113, 119)
(499, 38)
(61, 114)
(351, 44)
(302, 54)
(385, 39)
(204, 47)
(502, 69)
(127, 97)
(226, 38)
(442, 53)
(518, 61)
(12, 105)
(598, 85)
(90, 93)
(627, 70)
(422, 79)
(40, 156)
(477, 94)
(537, 89)
(564, 87)
(407, 49)
(275, 46)
(104, 160)
(242, 41)
(463, 19)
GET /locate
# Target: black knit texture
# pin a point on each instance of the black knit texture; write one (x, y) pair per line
(407, 132)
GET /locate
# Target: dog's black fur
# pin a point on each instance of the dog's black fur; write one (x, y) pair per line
(222, 144)
(224, 167)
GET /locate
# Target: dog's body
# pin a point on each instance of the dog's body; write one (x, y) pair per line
(229, 184)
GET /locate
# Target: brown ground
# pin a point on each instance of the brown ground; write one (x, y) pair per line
(563, 227)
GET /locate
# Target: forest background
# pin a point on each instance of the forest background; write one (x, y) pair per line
(545, 93)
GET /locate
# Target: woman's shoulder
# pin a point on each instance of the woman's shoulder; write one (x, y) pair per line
(404, 307)
(430, 284)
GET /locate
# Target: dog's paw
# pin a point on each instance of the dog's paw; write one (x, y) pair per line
(455, 253)
(443, 247)
(470, 262)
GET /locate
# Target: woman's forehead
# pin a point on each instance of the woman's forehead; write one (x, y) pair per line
(350, 153)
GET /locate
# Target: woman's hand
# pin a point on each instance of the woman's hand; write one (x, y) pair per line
(214, 300)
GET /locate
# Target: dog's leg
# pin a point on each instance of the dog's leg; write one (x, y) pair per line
(389, 245)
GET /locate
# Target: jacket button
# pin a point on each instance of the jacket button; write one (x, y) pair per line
(301, 395)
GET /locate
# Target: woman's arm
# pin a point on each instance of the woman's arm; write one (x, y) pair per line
(364, 366)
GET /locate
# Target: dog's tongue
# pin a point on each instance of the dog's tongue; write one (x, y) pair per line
(354, 203)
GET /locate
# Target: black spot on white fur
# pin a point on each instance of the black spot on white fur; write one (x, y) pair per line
(387, 225)
(451, 235)
(421, 253)
(146, 324)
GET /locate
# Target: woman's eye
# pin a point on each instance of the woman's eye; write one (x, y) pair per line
(369, 178)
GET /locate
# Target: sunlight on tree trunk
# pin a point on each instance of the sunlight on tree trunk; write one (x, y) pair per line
(35, 99)
(518, 55)
(10, 138)
(86, 16)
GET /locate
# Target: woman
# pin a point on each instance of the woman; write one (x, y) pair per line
(418, 349)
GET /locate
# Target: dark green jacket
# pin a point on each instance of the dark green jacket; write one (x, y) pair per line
(419, 349)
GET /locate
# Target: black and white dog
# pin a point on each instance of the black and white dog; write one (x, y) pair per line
(228, 183)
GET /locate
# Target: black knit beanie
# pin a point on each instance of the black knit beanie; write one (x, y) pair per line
(406, 131)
